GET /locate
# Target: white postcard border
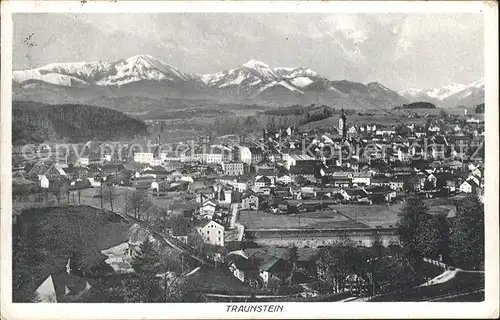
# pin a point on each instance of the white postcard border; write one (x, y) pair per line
(487, 308)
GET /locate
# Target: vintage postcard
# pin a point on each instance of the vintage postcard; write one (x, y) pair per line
(197, 160)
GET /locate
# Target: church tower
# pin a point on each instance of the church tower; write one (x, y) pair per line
(343, 124)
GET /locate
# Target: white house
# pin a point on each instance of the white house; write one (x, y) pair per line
(207, 210)
(214, 157)
(43, 181)
(363, 178)
(94, 182)
(477, 172)
(473, 120)
(352, 130)
(396, 184)
(244, 154)
(88, 160)
(143, 157)
(402, 155)
(468, 186)
(239, 185)
(434, 129)
(212, 233)
(155, 186)
(285, 178)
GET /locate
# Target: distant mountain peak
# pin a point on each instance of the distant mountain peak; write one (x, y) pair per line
(377, 85)
(451, 94)
(295, 72)
(255, 64)
(478, 83)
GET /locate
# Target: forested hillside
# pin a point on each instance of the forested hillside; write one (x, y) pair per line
(34, 122)
(417, 105)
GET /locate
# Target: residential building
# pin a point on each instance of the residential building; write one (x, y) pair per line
(396, 184)
(468, 186)
(143, 157)
(284, 178)
(243, 154)
(207, 210)
(262, 181)
(361, 178)
(234, 168)
(250, 201)
(211, 232)
(256, 155)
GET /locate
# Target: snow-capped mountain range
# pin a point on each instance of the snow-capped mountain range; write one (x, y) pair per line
(118, 73)
(449, 95)
(143, 82)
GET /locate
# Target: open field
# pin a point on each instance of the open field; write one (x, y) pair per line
(347, 216)
(326, 219)
(371, 215)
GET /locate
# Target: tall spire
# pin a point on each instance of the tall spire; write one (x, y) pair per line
(342, 128)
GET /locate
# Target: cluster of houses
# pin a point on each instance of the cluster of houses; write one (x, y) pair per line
(286, 171)
(360, 164)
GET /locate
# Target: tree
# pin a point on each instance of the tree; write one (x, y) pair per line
(335, 263)
(467, 235)
(196, 241)
(417, 232)
(157, 276)
(294, 256)
(177, 224)
(23, 260)
(108, 192)
(428, 185)
(137, 202)
(443, 227)
(146, 266)
(410, 183)
(442, 114)
(377, 247)
(479, 108)
(64, 189)
(147, 262)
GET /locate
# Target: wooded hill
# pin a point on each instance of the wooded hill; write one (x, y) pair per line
(34, 122)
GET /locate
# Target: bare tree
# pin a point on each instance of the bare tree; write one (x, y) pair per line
(108, 192)
(137, 202)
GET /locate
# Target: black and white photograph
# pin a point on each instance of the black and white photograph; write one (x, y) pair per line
(244, 161)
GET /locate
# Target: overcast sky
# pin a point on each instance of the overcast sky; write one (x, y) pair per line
(397, 50)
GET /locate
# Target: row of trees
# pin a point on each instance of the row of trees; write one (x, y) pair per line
(157, 276)
(459, 242)
(376, 268)
(271, 119)
(34, 123)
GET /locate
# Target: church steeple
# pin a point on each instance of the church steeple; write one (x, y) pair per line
(342, 124)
